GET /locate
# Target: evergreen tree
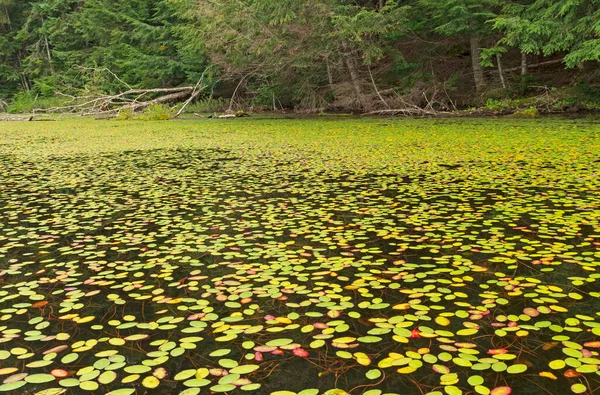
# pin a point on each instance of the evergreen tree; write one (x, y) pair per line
(468, 19)
(553, 26)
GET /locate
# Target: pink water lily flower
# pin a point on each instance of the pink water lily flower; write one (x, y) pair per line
(300, 352)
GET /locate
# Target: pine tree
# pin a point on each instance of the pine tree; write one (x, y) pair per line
(468, 19)
(553, 26)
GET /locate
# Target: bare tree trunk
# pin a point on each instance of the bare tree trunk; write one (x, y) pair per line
(25, 83)
(47, 45)
(356, 82)
(500, 71)
(48, 53)
(380, 4)
(330, 78)
(173, 97)
(8, 21)
(523, 63)
(476, 63)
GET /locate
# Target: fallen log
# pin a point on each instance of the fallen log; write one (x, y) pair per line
(28, 118)
(16, 119)
(173, 97)
(103, 104)
(129, 99)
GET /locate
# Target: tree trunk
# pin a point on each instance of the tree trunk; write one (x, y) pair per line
(49, 54)
(501, 72)
(8, 21)
(356, 82)
(476, 63)
(523, 63)
(330, 78)
(25, 83)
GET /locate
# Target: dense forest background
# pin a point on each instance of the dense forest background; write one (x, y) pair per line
(305, 54)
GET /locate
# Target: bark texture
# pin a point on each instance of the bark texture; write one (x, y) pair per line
(476, 64)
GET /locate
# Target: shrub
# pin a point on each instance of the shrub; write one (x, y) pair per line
(209, 105)
(28, 102)
(125, 114)
(531, 112)
(156, 112)
(503, 105)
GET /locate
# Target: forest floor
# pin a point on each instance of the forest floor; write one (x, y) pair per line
(296, 256)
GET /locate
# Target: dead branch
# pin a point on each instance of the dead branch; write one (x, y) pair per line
(409, 112)
(132, 99)
(26, 118)
(197, 89)
(104, 69)
(232, 101)
(377, 90)
(532, 66)
(97, 104)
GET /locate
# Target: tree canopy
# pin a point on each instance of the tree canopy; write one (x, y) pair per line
(305, 54)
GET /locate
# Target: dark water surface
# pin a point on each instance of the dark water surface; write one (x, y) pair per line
(376, 257)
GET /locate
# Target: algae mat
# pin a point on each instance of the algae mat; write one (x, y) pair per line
(300, 257)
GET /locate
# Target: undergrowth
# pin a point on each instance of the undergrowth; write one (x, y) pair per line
(208, 105)
(29, 102)
(154, 112)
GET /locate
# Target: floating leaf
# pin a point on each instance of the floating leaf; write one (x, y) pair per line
(150, 382)
(373, 374)
(244, 369)
(39, 378)
(501, 391)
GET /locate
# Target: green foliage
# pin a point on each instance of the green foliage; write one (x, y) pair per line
(50, 43)
(462, 17)
(502, 105)
(531, 112)
(581, 98)
(304, 54)
(126, 114)
(208, 105)
(552, 26)
(28, 102)
(156, 112)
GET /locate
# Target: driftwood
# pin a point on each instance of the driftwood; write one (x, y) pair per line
(413, 104)
(231, 114)
(11, 118)
(236, 115)
(197, 89)
(27, 118)
(130, 99)
(409, 112)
